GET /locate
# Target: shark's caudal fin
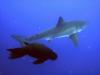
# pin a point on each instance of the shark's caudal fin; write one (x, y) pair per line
(20, 39)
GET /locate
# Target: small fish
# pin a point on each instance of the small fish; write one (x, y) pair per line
(39, 51)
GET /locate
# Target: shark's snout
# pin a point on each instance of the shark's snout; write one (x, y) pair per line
(80, 26)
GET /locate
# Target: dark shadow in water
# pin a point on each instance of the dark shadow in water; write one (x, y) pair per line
(36, 50)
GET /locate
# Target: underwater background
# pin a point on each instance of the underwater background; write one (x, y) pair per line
(28, 17)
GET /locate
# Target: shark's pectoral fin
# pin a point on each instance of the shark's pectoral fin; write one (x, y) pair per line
(74, 38)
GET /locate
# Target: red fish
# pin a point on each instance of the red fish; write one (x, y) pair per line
(39, 51)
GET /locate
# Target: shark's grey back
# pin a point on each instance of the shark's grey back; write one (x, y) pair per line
(49, 33)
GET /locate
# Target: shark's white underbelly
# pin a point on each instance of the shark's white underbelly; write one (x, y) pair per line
(56, 36)
(62, 36)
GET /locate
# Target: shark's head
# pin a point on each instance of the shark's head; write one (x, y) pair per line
(80, 25)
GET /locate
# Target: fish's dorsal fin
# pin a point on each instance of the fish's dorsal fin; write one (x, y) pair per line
(74, 38)
(60, 22)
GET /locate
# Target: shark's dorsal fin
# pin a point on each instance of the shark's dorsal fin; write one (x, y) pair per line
(60, 22)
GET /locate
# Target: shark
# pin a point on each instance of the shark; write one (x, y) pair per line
(62, 29)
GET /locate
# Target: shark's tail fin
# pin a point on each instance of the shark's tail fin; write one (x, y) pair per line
(20, 39)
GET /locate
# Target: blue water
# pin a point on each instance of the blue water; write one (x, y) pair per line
(28, 17)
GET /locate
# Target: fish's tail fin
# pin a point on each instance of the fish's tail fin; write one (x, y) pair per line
(20, 39)
(17, 53)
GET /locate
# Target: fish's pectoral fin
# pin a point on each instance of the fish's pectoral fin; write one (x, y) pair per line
(39, 61)
(74, 38)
